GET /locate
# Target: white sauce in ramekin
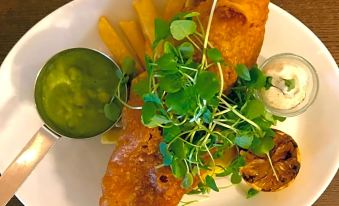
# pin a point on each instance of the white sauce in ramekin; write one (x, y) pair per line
(280, 96)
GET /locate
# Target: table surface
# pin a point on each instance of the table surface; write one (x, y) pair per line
(321, 16)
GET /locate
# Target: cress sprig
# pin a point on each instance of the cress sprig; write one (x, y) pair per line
(198, 121)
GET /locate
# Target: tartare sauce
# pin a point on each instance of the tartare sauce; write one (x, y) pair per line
(289, 84)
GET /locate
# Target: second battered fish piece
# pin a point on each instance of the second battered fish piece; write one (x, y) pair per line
(237, 30)
(131, 177)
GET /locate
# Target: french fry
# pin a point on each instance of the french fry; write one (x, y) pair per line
(147, 13)
(173, 7)
(112, 135)
(135, 37)
(114, 43)
(148, 49)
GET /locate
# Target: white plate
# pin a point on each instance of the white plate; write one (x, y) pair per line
(71, 173)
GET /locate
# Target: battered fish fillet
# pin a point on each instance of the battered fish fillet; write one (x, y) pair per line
(131, 177)
(237, 30)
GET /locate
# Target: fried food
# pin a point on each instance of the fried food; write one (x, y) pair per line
(173, 7)
(114, 43)
(147, 13)
(132, 177)
(237, 30)
(286, 162)
(135, 37)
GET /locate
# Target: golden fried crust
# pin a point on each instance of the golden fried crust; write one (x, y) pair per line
(131, 177)
(237, 30)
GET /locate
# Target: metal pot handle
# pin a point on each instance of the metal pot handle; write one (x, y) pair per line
(25, 162)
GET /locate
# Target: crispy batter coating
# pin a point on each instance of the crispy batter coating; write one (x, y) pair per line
(131, 177)
(237, 30)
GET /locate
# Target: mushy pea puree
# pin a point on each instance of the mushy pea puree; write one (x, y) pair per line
(72, 90)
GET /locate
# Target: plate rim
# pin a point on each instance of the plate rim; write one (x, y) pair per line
(331, 59)
(272, 7)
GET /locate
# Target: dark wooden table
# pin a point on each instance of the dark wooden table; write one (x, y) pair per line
(321, 16)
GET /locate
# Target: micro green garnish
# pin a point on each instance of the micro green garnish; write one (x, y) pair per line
(251, 193)
(290, 84)
(128, 67)
(186, 100)
(112, 110)
(183, 203)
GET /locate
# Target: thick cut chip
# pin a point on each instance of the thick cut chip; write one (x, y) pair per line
(114, 43)
(173, 7)
(147, 13)
(135, 37)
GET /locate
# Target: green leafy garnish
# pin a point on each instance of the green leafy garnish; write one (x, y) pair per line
(128, 66)
(141, 87)
(244, 141)
(214, 55)
(207, 116)
(167, 64)
(178, 148)
(182, 102)
(169, 133)
(187, 182)
(268, 82)
(171, 83)
(151, 115)
(290, 84)
(167, 156)
(186, 49)
(236, 178)
(234, 167)
(210, 182)
(113, 110)
(254, 109)
(262, 146)
(258, 79)
(243, 72)
(169, 48)
(180, 29)
(152, 98)
(149, 110)
(192, 14)
(162, 31)
(210, 89)
(251, 193)
(178, 168)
